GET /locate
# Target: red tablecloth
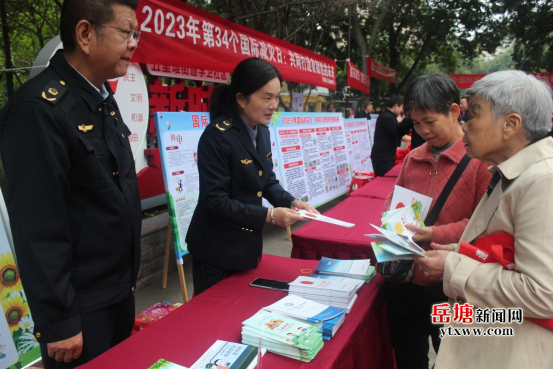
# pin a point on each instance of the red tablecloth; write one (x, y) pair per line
(183, 336)
(394, 172)
(317, 239)
(378, 188)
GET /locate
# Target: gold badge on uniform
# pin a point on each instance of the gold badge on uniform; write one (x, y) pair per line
(246, 161)
(84, 128)
(226, 123)
(269, 155)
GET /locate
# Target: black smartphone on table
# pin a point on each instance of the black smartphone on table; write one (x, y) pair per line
(270, 284)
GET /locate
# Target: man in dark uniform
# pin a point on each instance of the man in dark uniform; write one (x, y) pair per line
(383, 154)
(77, 235)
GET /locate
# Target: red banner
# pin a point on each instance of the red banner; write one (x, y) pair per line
(379, 71)
(358, 80)
(178, 34)
(464, 81)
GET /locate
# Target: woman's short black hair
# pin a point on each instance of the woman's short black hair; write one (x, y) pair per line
(249, 76)
(431, 92)
(97, 11)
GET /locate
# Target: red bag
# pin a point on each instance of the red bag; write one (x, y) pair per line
(498, 248)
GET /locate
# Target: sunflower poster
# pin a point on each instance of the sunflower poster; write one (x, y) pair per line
(18, 345)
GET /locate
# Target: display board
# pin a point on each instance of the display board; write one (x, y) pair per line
(359, 144)
(18, 345)
(312, 155)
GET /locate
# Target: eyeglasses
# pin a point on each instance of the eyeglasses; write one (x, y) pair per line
(129, 33)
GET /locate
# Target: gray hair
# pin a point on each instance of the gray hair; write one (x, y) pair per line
(513, 91)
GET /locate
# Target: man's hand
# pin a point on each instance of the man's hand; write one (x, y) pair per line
(302, 205)
(66, 350)
(285, 217)
(422, 234)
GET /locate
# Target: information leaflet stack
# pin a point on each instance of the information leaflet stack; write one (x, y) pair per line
(357, 269)
(327, 318)
(340, 294)
(282, 335)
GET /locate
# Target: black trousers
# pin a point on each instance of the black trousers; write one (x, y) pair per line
(205, 276)
(382, 166)
(409, 314)
(102, 329)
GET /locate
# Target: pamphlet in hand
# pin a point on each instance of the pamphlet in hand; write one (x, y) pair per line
(402, 241)
(223, 354)
(164, 364)
(403, 197)
(322, 218)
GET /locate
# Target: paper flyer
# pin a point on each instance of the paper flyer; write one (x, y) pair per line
(403, 197)
(322, 218)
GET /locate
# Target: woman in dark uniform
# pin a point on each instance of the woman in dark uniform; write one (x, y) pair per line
(236, 171)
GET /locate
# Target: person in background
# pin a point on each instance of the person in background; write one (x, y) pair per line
(77, 234)
(330, 108)
(510, 121)
(236, 171)
(349, 113)
(465, 112)
(366, 112)
(383, 154)
(432, 103)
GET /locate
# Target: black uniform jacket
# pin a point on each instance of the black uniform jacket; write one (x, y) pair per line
(226, 228)
(385, 137)
(72, 197)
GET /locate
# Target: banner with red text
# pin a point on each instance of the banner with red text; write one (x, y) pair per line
(464, 81)
(358, 80)
(178, 34)
(379, 71)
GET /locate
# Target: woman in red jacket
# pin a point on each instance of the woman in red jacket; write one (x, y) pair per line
(432, 102)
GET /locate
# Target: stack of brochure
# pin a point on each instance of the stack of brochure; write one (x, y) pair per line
(340, 294)
(282, 335)
(358, 282)
(327, 318)
(358, 269)
(395, 240)
(223, 354)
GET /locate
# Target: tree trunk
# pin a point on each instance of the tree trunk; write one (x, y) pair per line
(7, 48)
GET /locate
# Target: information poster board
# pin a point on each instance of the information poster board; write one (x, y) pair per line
(178, 135)
(359, 144)
(312, 155)
(18, 345)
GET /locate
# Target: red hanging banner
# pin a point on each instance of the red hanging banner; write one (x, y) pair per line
(379, 71)
(178, 34)
(358, 80)
(464, 81)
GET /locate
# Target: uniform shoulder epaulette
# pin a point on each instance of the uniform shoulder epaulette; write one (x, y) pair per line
(222, 125)
(53, 91)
